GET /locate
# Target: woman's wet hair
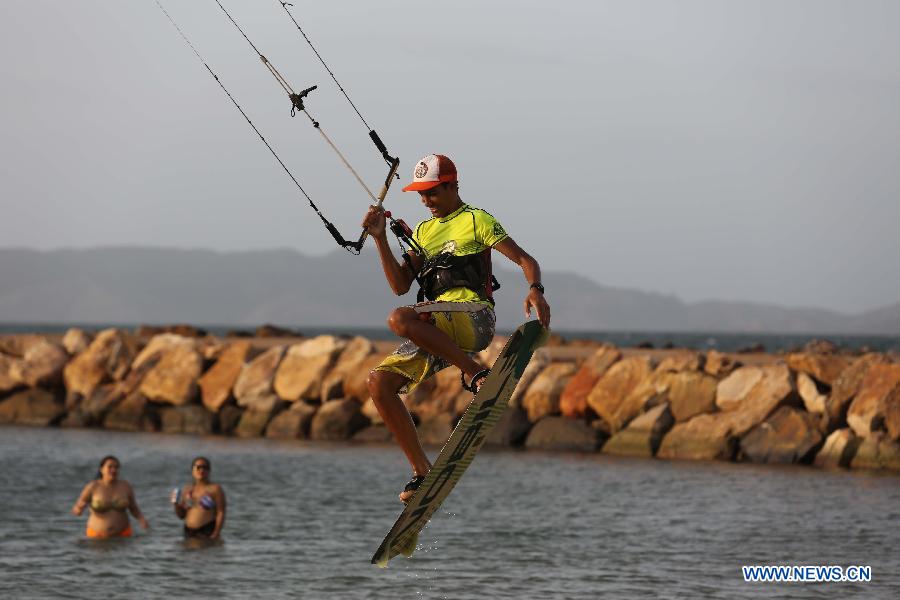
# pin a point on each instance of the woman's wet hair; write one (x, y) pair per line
(103, 462)
(204, 459)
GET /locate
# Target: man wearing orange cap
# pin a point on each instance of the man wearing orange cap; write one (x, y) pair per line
(451, 261)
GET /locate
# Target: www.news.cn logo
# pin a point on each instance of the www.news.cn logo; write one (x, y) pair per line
(804, 574)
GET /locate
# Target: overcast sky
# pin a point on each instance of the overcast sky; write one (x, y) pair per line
(710, 149)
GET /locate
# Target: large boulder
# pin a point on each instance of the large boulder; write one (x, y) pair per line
(11, 407)
(560, 433)
(732, 390)
(681, 360)
(134, 413)
(845, 388)
(371, 412)
(304, 367)
(210, 349)
(93, 409)
(108, 358)
(230, 416)
(292, 423)
(192, 419)
(510, 430)
(355, 382)
(74, 419)
(603, 427)
(181, 329)
(614, 388)
(539, 361)
(542, 397)
(217, 383)
(42, 365)
(691, 393)
(159, 344)
(135, 377)
(573, 400)
(493, 350)
(705, 437)
(37, 407)
(643, 435)
(337, 420)
(44, 408)
(173, 380)
(773, 388)
(9, 372)
(419, 398)
(892, 414)
(76, 341)
(788, 436)
(273, 331)
(373, 434)
(444, 395)
(819, 346)
(813, 394)
(824, 367)
(877, 452)
(255, 420)
(436, 430)
(751, 395)
(253, 388)
(650, 392)
(351, 358)
(839, 449)
(719, 364)
(879, 387)
(18, 344)
(73, 400)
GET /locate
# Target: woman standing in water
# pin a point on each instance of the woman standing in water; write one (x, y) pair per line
(109, 498)
(202, 504)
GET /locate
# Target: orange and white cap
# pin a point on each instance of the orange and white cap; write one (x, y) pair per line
(432, 170)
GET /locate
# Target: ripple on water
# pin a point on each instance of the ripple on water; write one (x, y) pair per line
(304, 520)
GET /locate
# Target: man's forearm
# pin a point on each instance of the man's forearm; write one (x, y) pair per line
(531, 269)
(396, 274)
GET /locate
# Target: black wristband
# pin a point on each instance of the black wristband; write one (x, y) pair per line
(537, 286)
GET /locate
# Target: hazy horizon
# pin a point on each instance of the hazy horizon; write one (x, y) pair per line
(737, 151)
(506, 272)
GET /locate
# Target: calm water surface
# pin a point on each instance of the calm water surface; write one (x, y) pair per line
(304, 520)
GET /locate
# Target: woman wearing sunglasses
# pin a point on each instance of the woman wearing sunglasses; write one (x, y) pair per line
(201, 505)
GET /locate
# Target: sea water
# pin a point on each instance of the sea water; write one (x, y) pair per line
(304, 519)
(721, 341)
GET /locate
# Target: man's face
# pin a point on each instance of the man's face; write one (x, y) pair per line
(441, 200)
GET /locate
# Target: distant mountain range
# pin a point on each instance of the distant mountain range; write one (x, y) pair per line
(202, 287)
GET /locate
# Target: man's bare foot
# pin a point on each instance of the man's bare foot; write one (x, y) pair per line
(410, 489)
(477, 379)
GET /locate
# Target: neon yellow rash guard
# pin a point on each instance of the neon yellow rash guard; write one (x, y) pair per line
(467, 230)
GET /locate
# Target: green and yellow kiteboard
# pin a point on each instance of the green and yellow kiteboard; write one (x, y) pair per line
(469, 434)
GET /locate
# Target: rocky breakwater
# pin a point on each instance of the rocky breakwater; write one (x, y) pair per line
(813, 406)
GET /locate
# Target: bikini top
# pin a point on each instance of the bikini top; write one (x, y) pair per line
(206, 501)
(102, 506)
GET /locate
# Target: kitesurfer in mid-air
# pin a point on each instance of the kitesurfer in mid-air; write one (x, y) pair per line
(451, 260)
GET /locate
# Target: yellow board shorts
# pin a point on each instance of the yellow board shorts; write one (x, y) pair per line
(469, 324)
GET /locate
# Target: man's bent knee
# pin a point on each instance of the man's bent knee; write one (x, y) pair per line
(399, 319)
(382, 383)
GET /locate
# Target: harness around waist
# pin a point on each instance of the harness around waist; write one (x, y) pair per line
(446, 271)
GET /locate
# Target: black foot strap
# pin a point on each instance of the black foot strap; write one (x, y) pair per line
(477, 380)
(413, 484)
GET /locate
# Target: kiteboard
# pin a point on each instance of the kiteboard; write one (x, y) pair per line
(469, 434)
